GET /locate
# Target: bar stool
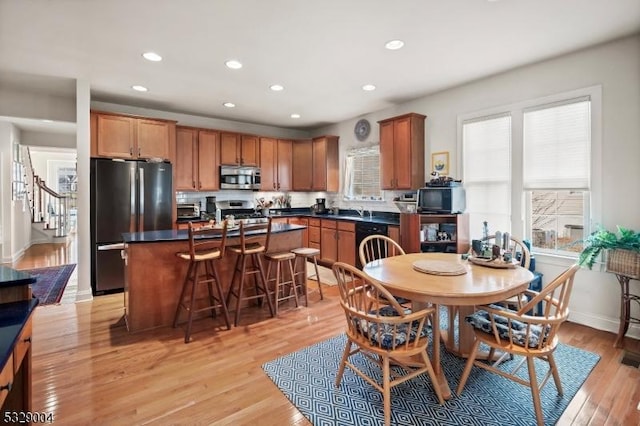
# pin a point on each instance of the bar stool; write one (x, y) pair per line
(254, 239)
(280, 283)
(304, 254)
(206, 244)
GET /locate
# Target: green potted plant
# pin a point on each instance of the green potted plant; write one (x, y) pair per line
(626, 241)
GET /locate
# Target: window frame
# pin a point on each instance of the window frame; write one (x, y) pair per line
(519, 201)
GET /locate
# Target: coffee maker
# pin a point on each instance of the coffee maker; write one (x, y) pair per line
(211, 205)
(319, 207)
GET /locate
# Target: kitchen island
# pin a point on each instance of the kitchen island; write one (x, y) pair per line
(154, 275)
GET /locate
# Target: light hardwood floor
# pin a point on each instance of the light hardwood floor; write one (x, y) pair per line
(87, 369)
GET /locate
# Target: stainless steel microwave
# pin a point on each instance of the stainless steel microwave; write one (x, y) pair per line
(239, 177)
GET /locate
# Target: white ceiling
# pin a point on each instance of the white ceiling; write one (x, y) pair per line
(322, 51)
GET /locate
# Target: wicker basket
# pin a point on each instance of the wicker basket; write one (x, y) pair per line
(624, 262)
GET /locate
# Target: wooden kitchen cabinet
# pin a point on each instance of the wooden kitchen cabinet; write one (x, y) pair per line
(315, 164)
(276, 158)
(325, 164)
(394, 233)
(314, 234)
(402, 152)
(338, 241)
(415, 237)
(197, 164)
(302, 165)
(237, 149)
(120, 136)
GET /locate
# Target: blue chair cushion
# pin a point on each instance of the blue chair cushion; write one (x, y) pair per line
(382, 335)
(481, 320)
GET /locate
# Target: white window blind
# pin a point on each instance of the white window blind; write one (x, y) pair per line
(486, 145)
(362, 174)
(557, 145)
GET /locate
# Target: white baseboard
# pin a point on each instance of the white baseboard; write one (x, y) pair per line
(84, 296)
(603, 323)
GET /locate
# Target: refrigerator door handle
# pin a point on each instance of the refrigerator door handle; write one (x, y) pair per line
(132, 200)
(141, 201)
(115, 246)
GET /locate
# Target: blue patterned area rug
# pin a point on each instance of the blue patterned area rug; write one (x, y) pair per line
(50, 282)
(307, 378)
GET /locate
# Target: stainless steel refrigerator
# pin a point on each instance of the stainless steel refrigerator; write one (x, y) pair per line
(126, 196)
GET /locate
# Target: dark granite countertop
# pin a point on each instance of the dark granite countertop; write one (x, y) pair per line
(13, 317)
(183, 235)
(12, 278)
(387, 218)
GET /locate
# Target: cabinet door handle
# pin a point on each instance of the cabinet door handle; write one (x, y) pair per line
(274, 185)
(199, 184)
(6, 387)
(130, 150)
(139, 152)
(27, 339)
(193, 183)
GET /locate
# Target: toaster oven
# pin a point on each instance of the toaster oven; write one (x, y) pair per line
(189, 211)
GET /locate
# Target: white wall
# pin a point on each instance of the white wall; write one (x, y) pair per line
(615, 66)
(15, 217)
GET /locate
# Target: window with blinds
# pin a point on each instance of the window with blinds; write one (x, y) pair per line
(486, 148)
(528, 168)
(362, 174)
(557, 151)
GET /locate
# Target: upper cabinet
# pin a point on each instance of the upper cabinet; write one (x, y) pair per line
(402, 152)
(302, 165)
(276, 164)
(237, 149)
(315, 164)
(118, 136)
(197, 164)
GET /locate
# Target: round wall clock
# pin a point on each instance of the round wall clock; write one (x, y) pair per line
(362, 129)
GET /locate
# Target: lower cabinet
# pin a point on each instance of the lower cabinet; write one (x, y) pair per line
(314, 234)
(338, 241)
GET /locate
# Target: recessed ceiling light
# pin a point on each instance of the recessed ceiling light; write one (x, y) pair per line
(394, 44)
(233, 64)
(368, 87)
(47, 121)
(295, 115)
(276, 87)
(152, 56)
(229, 104)
(139, 88)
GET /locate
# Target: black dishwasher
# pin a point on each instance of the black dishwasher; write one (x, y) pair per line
(363, 230)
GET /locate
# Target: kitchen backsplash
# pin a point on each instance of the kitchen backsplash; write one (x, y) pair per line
(298, 199)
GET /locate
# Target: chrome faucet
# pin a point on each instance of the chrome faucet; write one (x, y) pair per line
(360, 211)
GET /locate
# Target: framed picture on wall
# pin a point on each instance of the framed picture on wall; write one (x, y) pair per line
(440, 162)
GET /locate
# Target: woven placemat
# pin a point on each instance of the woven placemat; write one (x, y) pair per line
(439, 267)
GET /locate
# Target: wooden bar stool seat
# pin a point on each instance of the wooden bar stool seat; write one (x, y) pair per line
(284, 289)
(206, 245)
(305, 254)
(254, 240)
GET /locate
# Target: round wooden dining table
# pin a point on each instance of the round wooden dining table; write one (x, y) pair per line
(476, 285)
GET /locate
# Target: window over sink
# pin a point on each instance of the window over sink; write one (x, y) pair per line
(362, 174)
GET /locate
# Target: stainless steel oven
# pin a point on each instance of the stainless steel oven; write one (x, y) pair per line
(239, 177)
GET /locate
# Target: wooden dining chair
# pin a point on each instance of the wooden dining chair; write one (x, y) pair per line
(517, 247)
(385, 333)
(519, 334)
(376, 247)
(518, 250)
